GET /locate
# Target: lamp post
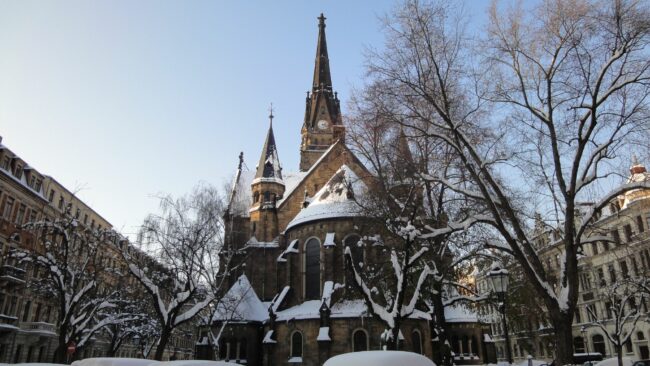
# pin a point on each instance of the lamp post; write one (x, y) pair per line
(499, 280)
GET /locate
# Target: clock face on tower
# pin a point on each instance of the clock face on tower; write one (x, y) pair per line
(322, 124)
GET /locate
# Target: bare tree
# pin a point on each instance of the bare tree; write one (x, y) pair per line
(67, 256)
(178, 249)
(623, 310)
(427, 226)
(570, 81)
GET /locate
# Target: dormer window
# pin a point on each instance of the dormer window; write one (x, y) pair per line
(5, 163)
(18, 171)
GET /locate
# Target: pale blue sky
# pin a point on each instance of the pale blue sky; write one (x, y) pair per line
(126, 99)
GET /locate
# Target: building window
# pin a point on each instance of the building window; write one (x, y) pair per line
(51, 196)
(417, 342)
(8, 206)
(612, 273)
(592, 312)
(359, 340)
(61, 203)
(28, 305)
(20, 216)
(312, 269)
(639, 223)
(599, 344)
(640, 336)
(616, 238)
(601, 277)
(594, 248)
(578, 345)
(628, 232)
(624, 270)
(296, 344)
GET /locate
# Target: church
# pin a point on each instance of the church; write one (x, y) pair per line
(287, 302)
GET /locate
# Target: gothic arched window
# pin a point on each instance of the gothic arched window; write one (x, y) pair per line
(296, 344)
(417, 342)
(359, 340)
(312, 269)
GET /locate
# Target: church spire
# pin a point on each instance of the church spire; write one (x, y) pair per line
(322, 75)
(323, 124)
(269, 164)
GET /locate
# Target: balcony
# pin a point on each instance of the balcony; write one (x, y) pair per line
(8, 323)
(39, 328)
(11, 274)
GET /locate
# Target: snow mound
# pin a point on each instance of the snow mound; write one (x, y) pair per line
(614, 362)
(379, 358)
(35, 364)
(114, 361)
(335, 199)
(195, 363)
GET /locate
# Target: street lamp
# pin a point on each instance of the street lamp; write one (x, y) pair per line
(499, 280)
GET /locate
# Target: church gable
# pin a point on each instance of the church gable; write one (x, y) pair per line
(314, 179)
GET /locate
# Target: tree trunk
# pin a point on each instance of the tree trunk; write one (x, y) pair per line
(162, 344)
(563, 339)
(61, 349)
(619, 354)
(441, 356)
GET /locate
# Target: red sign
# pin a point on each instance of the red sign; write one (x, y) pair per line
(72, 347)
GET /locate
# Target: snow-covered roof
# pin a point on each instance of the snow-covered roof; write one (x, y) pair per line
(291, 183)
(335, 199)
(241, 303)
(460, 314)
(306, 310)
(254, 243)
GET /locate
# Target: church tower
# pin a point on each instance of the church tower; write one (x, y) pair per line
(267, 187)
(323, 124)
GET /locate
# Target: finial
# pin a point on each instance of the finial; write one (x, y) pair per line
(321, 20)
(241, 160)
(635, 161)
(271, 114)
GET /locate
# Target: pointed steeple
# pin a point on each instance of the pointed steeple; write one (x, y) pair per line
(322, 66)
(269, 164)
(323, 124)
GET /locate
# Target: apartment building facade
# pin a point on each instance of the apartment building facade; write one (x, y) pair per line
(620, 253)
(27, 320)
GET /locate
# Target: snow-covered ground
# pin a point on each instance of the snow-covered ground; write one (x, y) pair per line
(379, 358)
(107, 361)
(614, 362)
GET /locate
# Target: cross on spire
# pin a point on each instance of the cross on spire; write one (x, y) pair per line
(271, 114)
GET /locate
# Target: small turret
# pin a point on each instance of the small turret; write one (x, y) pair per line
(267, 188)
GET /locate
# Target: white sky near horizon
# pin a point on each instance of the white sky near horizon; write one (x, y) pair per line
(124, 100)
